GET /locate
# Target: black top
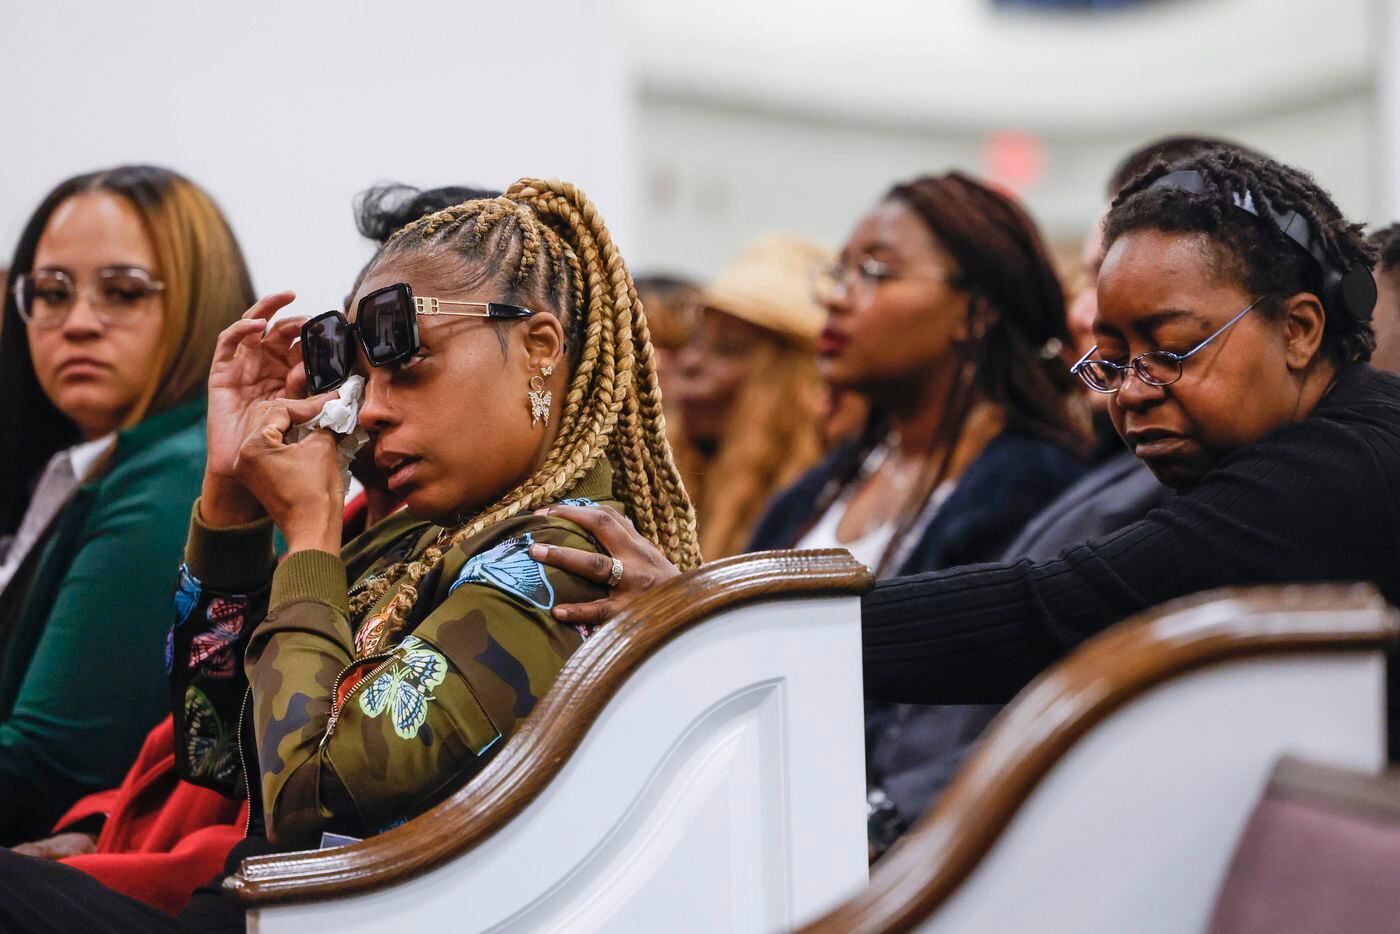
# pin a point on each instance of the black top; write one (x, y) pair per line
(1313, 501)
(1117, 492)
(1008, 483)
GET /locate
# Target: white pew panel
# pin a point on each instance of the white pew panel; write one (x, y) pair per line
(1110, 794)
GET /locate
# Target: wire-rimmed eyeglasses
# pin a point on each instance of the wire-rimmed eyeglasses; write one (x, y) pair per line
(860, 280)
(1155, 367)
(45, 297)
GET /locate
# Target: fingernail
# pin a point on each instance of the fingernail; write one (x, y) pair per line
(539, 552)
(542, 512)
(561, 613)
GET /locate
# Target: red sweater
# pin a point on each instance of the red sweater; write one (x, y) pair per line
(163, 838)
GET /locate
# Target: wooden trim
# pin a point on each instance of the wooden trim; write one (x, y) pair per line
(1030, 737)
(552, 732)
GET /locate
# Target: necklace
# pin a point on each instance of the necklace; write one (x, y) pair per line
(901, 471)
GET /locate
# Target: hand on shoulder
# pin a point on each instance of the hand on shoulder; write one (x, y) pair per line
(642, 564)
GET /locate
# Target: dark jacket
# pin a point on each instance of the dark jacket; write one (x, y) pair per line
(913, 750)
(1117, 492)
(1316, 500)
(82, 675)
(1012, 480)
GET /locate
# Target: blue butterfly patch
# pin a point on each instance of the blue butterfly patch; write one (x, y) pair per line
(186, 595)
(404, 692)
(577, 501)
(509, 567)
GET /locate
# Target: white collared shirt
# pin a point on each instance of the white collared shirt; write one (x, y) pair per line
(63, 474)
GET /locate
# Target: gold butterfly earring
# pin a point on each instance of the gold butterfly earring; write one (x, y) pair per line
(540, 398)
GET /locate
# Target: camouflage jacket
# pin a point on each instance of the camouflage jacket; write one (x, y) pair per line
(349, 745)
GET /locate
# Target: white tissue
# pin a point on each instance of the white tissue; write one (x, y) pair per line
(340, 417)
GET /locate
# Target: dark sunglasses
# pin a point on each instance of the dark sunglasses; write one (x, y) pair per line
(386, 327)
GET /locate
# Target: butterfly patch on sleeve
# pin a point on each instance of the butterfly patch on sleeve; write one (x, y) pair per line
(213, 650)
(404, 690)
(210, 749)
(186, 595)
(509, 567)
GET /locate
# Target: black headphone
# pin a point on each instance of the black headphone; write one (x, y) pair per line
(1350, 290)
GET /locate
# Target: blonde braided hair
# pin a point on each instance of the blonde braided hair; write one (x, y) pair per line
(561, 252)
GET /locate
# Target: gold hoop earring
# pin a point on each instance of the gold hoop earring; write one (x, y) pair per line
(540, 398)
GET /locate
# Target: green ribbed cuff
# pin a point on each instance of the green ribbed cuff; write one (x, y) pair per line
(310, 575)
(236, 559)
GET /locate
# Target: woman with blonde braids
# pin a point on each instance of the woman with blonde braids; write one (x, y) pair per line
(507, 368)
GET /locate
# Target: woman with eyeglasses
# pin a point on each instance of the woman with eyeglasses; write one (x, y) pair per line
(1233, 331)
(945, 312)
(162, 837)
(119, 286)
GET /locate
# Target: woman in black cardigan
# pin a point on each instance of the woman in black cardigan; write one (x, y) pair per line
(1283, 442)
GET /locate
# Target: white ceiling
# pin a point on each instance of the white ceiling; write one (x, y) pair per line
(964, 64)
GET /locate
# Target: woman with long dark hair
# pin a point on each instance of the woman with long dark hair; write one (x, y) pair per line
(945, 312)
(120, 284)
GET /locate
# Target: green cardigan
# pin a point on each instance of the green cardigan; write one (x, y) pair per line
(82, 664)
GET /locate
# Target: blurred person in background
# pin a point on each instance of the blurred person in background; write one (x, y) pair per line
(119, 286)
(1387, 319)
(751, 400)
(945, 311)
(155, 837)
(671, 309)
(381, 210)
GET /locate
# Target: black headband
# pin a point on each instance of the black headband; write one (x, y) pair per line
(1349, 291)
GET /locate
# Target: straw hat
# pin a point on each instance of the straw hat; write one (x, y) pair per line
(770, 284)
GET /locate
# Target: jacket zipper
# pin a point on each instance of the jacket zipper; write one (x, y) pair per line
(336, 705)
(330, 724)
(243, 762)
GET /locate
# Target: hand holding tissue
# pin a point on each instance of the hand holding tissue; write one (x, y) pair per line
(341, 417)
